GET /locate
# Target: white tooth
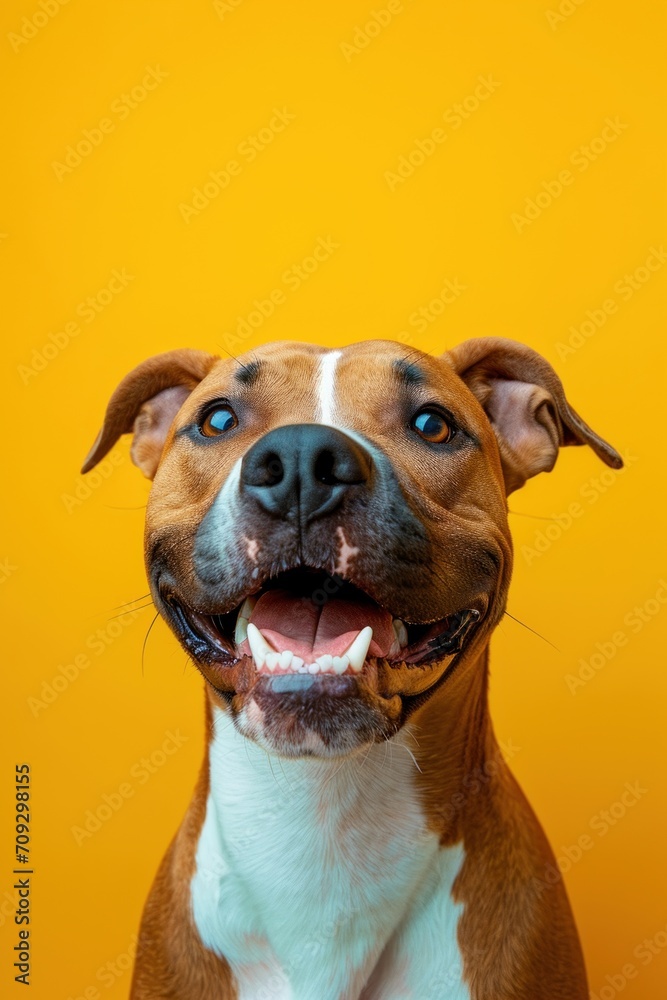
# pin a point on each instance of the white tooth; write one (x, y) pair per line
(401, 632)
(272, 661)
(314, 668)
(286, 658)
(298, 664)
(325, 662)
(259, 647)
(358, 650)
(248, 607)
(340, 664)
(241, 630)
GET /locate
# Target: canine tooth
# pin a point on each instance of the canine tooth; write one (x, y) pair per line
(340, 664)
(259, 647)
(298, 664)
(272, 661)
(314, 668)
(286, 658)
(401, 632)
(241, 630)
(325, 662)
(248, 607)
(357, 651)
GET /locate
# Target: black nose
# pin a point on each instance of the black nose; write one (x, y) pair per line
(303, 471)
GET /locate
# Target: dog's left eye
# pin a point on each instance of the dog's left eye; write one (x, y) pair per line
(217, 421)
(432, 426)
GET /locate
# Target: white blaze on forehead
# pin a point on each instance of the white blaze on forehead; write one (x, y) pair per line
(326, 387)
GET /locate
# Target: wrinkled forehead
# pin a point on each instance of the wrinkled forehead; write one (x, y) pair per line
(305, 383)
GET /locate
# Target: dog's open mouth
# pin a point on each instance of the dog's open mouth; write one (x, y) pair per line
(308, 622)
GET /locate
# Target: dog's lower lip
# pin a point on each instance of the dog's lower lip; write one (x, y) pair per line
(210, 636)
(198, 632)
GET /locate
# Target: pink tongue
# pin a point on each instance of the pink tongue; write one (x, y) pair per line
(295, 623)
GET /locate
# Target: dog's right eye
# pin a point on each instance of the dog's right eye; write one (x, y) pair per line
(217, 421)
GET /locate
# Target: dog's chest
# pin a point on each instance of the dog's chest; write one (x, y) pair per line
(321, 879)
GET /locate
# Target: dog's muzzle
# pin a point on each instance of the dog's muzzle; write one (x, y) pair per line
(315, 585)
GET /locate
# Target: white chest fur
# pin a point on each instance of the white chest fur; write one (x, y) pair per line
(319, 880)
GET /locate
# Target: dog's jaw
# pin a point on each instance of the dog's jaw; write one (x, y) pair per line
(301, 672)
(321, 628)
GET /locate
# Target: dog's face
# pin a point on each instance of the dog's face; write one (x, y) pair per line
(326, 532)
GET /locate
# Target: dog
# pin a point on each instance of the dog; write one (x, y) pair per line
(327, 537)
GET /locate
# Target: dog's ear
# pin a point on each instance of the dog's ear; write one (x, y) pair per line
(526, 405)
(146, 402)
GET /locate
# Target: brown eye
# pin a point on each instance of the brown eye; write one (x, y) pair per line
(432, 426)
(217, 421)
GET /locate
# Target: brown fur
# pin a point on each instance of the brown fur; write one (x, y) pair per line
(517, 935)
(171, 962)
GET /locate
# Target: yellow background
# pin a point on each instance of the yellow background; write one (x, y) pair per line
(68, 567)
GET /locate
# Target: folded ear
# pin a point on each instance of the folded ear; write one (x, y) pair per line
(146, 402)
(525, 402)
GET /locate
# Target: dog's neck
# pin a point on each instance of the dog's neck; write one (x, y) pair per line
(320, 864)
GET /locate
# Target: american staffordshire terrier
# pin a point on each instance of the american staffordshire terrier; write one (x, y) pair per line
(327, 536)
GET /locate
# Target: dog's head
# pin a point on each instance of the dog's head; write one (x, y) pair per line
(327, 531)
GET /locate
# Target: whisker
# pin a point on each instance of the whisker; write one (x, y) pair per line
(112, 507)
(217, 727)
(410, 753)
(388, 748)
(116, 607)
(342, 764)
(247, 751)
(538, 634)
(535, 517)
(135, 601)
(412, 353)
(232, 356)
(121, 613)
(408, 732)
(289, 783)
(143, 648)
